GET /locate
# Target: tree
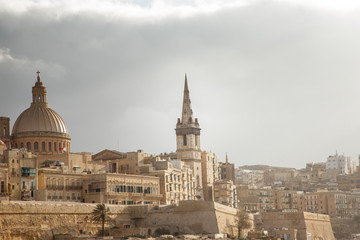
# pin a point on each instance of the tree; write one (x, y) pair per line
(99, 214)
(242, 222)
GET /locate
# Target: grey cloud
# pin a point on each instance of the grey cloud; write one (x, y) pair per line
(270, 83)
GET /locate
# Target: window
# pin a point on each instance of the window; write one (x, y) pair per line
(2, 186)
(184, 140)
(22, 145)
(54, 146)
(43, 146)
(36, 146)
(28, 145)
(49, 146)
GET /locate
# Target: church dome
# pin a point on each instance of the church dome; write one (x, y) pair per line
(39, 118)
(39, 128)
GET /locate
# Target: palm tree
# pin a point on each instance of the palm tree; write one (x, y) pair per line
(99, 214)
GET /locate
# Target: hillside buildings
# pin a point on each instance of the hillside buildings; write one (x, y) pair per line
(36, 164)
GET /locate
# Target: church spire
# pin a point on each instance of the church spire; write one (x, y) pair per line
(187, 113)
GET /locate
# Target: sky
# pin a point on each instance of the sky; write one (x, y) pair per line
(273, 82)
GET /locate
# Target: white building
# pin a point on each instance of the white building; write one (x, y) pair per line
(345, 165)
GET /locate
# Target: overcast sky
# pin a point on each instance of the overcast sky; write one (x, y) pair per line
(271, 82)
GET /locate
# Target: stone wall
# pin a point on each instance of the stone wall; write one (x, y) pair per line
(44, 220)
(192, 217)
(302, 224)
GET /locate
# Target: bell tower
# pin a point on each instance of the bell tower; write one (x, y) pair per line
(188, 140)
(5, 130)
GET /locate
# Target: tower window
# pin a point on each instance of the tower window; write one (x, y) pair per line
(184, 140)
(28, 145)
(36, 146)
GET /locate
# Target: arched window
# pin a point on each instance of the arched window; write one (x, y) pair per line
(43, 146)
(49, 146)
(36, 146)
(22, 145)
(28, 145)
(54, 146)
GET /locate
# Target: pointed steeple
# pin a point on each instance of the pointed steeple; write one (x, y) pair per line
(187, 113)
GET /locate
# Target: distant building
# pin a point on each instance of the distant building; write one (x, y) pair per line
(210, 171)
(344, 165)
(227, 170)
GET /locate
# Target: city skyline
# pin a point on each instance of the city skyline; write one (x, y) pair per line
(271, 83)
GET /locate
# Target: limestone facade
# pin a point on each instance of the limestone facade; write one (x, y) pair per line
(227, 170)
(59, 185)
(225, 193)
(298, 225)
(210, 173)
(177, 182)
(5, 130)
(121, 189)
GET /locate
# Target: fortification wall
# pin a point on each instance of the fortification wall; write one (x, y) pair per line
(192, 217)
(43, 220)
(318, 226)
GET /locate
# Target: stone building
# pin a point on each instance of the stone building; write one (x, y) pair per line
(249, 177)
(122, 189)
(177, 181)
(59, 185)
(118, 162)
(5, 131)
(188, 140)
(39, 128)
(210, 174)
(225, 193)
(227, 170)
(22, 170)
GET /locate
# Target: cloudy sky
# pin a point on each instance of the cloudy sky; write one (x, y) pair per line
(273, 82)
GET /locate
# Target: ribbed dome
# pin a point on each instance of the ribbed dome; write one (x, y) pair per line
(39, 118)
